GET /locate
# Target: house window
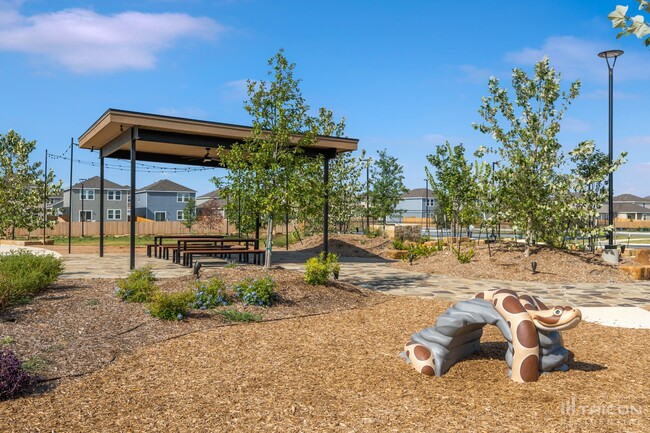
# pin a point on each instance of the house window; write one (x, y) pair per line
(179, 215)
(182, 197)
(114, 214)
(160, 215)
(85, 215)
(115, 195)
(88, 194)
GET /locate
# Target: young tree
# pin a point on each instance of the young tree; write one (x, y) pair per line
(22, 186)
(269, 169)
(534, 185)
(189, 214)
(211, 215)
(387, 180)
(631, 25)
(346, 189)
(454, 185)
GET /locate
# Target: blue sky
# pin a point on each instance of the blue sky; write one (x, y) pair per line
(405, 75)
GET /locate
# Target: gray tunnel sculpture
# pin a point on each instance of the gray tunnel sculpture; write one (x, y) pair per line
(457, 334)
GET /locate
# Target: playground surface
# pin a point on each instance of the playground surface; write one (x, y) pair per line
(323, 368)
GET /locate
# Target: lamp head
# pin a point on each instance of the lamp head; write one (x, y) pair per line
(609, 54)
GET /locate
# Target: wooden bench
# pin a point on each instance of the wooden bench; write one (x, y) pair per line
(244, 254)
(174, 248)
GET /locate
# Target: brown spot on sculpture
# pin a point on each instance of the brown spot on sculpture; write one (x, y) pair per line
(422, 353)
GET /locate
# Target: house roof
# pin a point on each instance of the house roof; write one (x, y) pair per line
(209, 195)
(220, 202)
(418, 193)
(94, 183)
(627, 197)
(165, 185)
(625, 208)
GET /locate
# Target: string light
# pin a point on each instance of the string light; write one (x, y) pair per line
(140, 166)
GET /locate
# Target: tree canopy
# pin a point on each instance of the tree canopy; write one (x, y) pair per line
(539, 191)
(22, 185)
(270, 171)
(454, 185)
(387, 187)
(635, 25)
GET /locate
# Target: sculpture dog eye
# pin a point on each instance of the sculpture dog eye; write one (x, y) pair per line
(558, 311)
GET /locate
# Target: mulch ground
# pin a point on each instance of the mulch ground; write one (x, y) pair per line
(503, 261)
(324, 359)
(341, 372)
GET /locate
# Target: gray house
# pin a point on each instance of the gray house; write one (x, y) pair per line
(628, 206)
(85, 201)
(163, 201)
(414, 204)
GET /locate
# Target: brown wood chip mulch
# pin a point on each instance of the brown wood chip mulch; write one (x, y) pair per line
(333, 372)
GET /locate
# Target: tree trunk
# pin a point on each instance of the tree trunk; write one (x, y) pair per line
(529, 242)
(269, 243)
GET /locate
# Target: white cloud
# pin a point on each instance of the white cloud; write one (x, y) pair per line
(236, 90)
(85, 42)
(578, 58)
(474, 74)
(434, 139)
(641, 140)
(575, 125)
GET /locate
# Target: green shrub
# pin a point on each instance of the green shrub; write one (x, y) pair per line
(463, 257)
(171, 306)
(23, 274)
(256, 292)
(373, 233)
(139, 286)
(399, 244)
(419, 251)
(319, 269)
(211, 294)
(239, 316)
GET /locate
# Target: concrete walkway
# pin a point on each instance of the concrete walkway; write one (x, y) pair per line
(376, 274)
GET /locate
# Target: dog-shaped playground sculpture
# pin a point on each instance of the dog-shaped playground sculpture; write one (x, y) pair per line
(531, 328)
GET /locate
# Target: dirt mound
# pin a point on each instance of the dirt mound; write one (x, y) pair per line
(345, 245)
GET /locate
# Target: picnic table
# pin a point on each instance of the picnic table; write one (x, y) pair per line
(221, 243)
(158, 240)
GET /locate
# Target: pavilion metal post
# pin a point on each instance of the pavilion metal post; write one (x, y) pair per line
(70, 194)
(326, 207)
(134, 137)
(82, 215)
(45, 198)
(101, 206)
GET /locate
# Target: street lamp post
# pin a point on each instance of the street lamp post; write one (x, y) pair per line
(611, 54)
(367, 161)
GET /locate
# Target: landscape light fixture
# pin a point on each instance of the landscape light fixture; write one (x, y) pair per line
(197, 269)
(611, 54)
(534, 266)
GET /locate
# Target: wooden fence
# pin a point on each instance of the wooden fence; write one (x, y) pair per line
(120, 228)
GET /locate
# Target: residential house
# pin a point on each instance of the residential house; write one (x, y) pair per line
(86, 203)
(414, 204)
(163, 201)
(205, 198)
(628, 206)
